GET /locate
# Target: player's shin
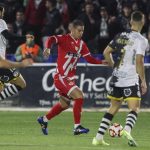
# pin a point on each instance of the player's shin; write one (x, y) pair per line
(130, 121)
(77, 109)
(104, 125)
(55, 110)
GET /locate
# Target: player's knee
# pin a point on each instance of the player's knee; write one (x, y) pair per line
(135, 109)
(23, 85)
(79, 95)
(64, 103)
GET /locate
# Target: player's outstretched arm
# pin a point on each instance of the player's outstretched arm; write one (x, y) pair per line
(9, 64)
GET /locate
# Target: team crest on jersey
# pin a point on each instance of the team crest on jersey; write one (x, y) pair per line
(127, 92)
(76, 48)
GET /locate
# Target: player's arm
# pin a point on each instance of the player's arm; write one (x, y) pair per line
(90, 59)
(108, 55)
(50, 40)
(140, 47)
(141, 72)
(87, 55)
(9, 64)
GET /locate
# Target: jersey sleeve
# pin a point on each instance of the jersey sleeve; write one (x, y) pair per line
(3, 25)
(53, 39)
(141, 46)
(85, 51)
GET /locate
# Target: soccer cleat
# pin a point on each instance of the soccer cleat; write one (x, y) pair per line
(96, 142)
(131, 141)
(80, 130)
(43, 125)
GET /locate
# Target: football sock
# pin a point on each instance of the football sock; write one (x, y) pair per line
(76, 125)
(130, 121)
(55, 110)
(77, 109)
(10, 91)
(106, 120)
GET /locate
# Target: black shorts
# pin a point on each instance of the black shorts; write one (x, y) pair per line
(125, 93)
(6, 75)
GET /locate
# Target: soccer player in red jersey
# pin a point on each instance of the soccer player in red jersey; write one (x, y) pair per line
(70, 48)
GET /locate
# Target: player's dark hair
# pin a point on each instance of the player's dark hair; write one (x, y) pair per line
(77, 22)
(137, 16)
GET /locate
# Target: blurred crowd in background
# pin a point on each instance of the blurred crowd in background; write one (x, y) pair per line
(39, 19)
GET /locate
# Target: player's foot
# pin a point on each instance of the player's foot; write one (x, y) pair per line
(131, 141)
(43, 125)
(80, 130)
(96, 142)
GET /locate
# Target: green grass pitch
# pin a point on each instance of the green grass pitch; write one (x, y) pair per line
(20, 131)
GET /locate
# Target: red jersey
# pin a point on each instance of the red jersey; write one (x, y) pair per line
(69, 52)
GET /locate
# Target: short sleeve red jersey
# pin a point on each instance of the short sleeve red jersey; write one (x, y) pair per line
(69, 52)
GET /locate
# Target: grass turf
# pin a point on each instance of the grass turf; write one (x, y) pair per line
(20, 131)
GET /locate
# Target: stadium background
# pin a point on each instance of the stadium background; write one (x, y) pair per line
(18, 128)
(102, 18)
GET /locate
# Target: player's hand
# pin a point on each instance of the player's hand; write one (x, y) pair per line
(26, 62)
(46, 52)
(143, 87)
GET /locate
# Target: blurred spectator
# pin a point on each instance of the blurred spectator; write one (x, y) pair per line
(108, 27)
(19, 25)
(111, 6)
(62, 6)
(125, 16)
(11, 45)
(52, 20)
(90, 22)
(34, 16)
(29, 49)
(13, 40)
(11, 6)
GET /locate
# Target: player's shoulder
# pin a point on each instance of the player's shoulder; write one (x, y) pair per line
(141, 38)
(2, 21)
(62, 36)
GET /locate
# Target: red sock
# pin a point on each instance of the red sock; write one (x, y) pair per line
(77, 108)
(55, 110)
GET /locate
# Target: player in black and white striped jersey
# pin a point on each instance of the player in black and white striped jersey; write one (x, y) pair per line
(12, 76)
(128, 78)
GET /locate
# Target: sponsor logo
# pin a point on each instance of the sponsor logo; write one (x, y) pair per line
(98, 84)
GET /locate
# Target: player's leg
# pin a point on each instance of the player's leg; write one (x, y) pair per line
(77, 96)
(131, 119)
(105, 122)
(62, 105)
(115, 95)
(64, 102)
(16, 80)
(133, 100)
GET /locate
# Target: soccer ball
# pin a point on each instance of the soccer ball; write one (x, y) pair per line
(115, 129)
